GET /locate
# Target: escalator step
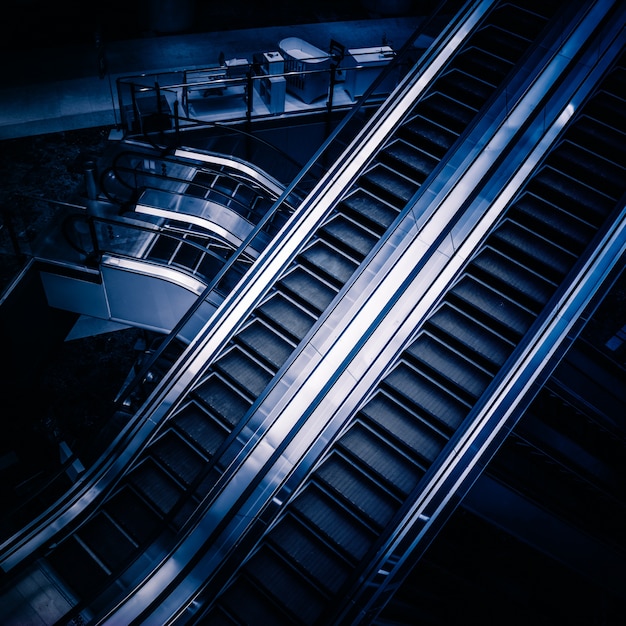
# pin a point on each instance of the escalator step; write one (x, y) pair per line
(322, 258)
(223, 400)
(506, 317)
(389, 185)
(595, 171)
(200, 428)
(460, 86)
(609, 109)
(133, 514)
(334, 523)
(439, 360)
(389, 465)
(308, 289)
(374, 213)
(351, 238)
(286, 586)
(524, 20)
(485, 347)
(532, 251)
(265, 343)
(177, 457)
(106, 541)
(409, 430)
(155, 486)
(243, 371)
(309, 554)
(81, 572)
(444, 111)
(483, 64)
(245, 604)
(519, 283)
(403, 157)
(433, 401)
(506, 44)
(362, 494)
(551, 222)
(284, 314)
(599, 138)
(571, 195)
(427, 136)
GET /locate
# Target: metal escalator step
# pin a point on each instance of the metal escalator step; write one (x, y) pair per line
(375, 214)
(596, 171)
(243, 371)
(571, 195)
(308, 289)
(206, 433)
(265, 343)
(531, 250)
(222, 400)
(449, 365)
(615, 82)
(326, 260)
(177, 456)
(428, 136)
(406, 158)
(350, 237)
(309, 553)
(391, 466)
(485, 347)
(284, 314)
(333, 522)
(460, 86)
(410, 430)
(244, 603)
(285, 585)
(516, 281)
(609, 109)
(78, 568)
(507, 317)
(430, 400)
(363, 495)
(483, 64)
(389, 185)
(506, 44)
(133, 514)
(446, 112)
(551, 222)
(155, 486)
(105, 539)
(599, 138)
(524, 19)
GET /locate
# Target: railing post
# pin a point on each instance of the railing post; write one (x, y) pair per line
(176, 122)
(337, 52)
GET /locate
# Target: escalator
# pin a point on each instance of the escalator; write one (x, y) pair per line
(396, 436)
(311, 556)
